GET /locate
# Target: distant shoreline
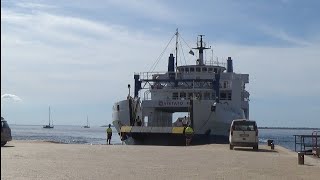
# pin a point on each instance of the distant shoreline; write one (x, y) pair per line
(292, 128)
(300, 128)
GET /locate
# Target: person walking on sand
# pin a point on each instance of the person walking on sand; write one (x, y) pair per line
(188, 132)
(109, 134)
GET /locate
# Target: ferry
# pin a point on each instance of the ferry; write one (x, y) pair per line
(209, 94)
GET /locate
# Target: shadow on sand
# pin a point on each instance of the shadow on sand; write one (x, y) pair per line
(259, 150)
(6, 146)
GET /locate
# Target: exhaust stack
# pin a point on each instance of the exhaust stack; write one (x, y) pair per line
(229, 65)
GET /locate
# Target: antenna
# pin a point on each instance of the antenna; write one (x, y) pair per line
(177, 34)
(201, 46)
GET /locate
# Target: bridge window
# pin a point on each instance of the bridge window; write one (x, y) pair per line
(223, 96)
(187, 70)
(175, 95)
(225, 84)
(204, 69)
(192, 70)
(229, 95)
(199, 95)
(181, 69)
(190, 95)
(183, 95)
(213, 96)
(198, 69)
(226, 95)
(206, 96)
(210, 70)
(215, 70)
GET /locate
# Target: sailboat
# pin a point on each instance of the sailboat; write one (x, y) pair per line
(49, 125)
(87, 126)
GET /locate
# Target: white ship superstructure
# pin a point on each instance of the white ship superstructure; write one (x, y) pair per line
(210, 93)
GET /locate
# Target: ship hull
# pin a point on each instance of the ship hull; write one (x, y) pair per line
(173, 139)
(207, 131)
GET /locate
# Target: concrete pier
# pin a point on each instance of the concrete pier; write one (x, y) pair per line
(43, 160)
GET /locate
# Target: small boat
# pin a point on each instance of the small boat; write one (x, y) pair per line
(87, 126)
(50, 125)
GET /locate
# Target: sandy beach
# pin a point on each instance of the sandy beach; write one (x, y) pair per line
(44, 160)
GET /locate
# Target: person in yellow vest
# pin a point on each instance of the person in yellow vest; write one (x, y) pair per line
(188, 132)
(109, 134)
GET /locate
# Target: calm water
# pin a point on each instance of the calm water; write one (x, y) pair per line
(97, 135)
(64, 134)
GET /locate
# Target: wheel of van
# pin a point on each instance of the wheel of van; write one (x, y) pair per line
(256, 148)
(231, 147)
(3, 143)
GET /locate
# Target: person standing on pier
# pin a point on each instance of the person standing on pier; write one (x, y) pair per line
(185, 121)
(109, 134)
(188, 132)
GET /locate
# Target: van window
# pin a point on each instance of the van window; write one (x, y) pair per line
(244, 126)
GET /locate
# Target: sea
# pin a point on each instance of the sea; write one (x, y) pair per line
(97, 135)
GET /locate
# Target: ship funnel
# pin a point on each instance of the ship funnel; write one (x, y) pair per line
(171, 63)
(229, 65)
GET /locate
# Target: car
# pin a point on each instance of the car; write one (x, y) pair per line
(244, 133)
(5, 132)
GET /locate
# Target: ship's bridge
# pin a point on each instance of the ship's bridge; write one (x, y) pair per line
(201, 69)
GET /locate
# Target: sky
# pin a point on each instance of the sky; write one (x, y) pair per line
(79, 56)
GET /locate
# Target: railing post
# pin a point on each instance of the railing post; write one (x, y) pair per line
(300, 158)
(295, 143)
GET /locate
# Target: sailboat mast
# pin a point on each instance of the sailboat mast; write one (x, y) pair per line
(49, 116)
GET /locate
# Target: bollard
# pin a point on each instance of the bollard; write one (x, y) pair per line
(301, 158)
(272, 146)
(269, 142)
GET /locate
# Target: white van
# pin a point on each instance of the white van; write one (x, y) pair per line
(243, 133)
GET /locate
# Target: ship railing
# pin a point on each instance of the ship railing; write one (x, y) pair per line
(215, 63)
(315, 136)
(147, 76)
(150, 75)
(306, 141)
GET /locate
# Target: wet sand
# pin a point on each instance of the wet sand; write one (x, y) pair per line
(44, 160)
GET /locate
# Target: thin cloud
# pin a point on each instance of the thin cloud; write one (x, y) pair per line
(11, 97)
(282, 35)
(149, 8)
(32, 5)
